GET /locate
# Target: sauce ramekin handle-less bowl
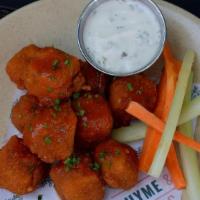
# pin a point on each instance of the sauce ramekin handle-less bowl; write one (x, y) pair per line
(93, 6)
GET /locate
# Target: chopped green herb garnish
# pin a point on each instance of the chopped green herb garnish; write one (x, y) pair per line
(130, 87)
(85, 124)
(76, 95)
(71, 162)
(95, 166)
(102, 155)
(117, 152)
(47, 140)
(67, 62)
(81, 113)
(88, 95)
(57, 107)
(30, 128)
(55, 64)
(45, 125)
(40, 197)
(57, 101)
(50, 89)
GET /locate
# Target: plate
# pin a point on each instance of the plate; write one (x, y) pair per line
(53, 22)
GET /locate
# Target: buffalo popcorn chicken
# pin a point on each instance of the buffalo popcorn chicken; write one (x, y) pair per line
(23, 111)
(94, 118)
(119, 164)
(21, 172)
(133, 88)
(76, 178)
(50, 134)
(46, 73)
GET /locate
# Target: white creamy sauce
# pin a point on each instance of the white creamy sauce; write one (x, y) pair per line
(122, 35)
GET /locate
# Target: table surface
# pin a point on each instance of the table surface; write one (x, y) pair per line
(7, 6)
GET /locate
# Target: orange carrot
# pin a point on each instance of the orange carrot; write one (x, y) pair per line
(138, 111)
(167, 87)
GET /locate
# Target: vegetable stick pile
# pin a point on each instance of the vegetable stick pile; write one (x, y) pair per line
(174, 107)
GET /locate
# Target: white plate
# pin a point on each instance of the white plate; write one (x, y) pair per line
(53, 22)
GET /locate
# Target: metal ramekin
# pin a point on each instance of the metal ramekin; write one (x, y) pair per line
(81, 24)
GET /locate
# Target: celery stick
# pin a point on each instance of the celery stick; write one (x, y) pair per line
(190, 111)
(172, 121)
(191, 168)
(134, 132)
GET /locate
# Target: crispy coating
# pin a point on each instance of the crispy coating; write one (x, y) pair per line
(95, 79)
(18, 64)
(48, 73)
(23, 111)
(119, 164)
(94, 119)
(133, 88)
(79, 182)
(51, 132)
(21, 171)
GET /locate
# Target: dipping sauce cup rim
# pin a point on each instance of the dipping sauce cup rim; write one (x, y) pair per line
(93, 4)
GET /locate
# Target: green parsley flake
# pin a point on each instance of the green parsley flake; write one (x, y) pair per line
(71, 162)
(117, 152)
(102, 155)
(95, 166)
(45, 125)
(47, 140)
(67, 62)
(130, 87)
(55, 64)
(76, 95)
(30, 128)
(40, 197)
(57, 108)
(49, 89)
(81, 113)
(57, 101)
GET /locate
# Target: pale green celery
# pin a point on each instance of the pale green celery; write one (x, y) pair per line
(134, 132)
(172, 121)
(191, 111)
(189, 157)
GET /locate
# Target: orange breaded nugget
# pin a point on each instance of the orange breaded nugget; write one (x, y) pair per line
(133, 88)
(51, 132)
(48, 73)
(21, 171)
(94, 118)
(18, 64)
(119, 164)
(75, 180)
(23, 111)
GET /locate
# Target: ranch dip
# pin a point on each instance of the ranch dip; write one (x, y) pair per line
(122, 35)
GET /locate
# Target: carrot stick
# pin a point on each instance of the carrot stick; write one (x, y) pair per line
(166, 90)
(153, 121)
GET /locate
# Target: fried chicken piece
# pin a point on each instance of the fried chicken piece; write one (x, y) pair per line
(94, 119)
(48, 73)
(21, 172)
(23, 111)
(51, 132)
(133, 88)
(119, 164)
(74, 179)
(18, 64)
